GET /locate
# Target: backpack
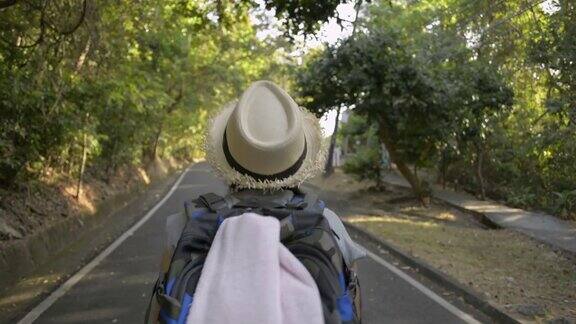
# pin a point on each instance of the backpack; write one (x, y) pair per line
(303, 230)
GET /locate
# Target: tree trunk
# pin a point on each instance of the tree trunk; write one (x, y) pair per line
(82, 58)
(156, 141)
(111, 163)
(417, 187)
(82, 165)
(329, 167)
(355, 23)
(379, 180)
(7, 3)
(150, 151)
(479, 169)
(443, 170)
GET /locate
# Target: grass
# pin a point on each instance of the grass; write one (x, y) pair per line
(511, 270)
(508, 268)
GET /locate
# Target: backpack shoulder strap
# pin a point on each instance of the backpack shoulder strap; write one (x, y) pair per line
(211, 201)
(308, 199)
(174, 226)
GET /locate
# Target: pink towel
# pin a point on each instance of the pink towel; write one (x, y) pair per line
(249, 277)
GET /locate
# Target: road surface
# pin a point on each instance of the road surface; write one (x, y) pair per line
(115, 286)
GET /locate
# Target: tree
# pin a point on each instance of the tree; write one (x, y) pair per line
(427, 92)
(322, 97)
(107, 84)
(305, 17)
(377, 75)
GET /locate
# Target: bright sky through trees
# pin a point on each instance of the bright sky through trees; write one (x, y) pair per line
(329, 33)
(478, 92)
(332, 32)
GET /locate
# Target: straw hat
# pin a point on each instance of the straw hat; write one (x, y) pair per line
(264, 140)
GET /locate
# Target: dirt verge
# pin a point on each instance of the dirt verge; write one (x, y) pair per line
(523, 277)
(33, 266)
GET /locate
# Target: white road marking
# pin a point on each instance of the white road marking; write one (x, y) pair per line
(423, 289)
(72, 281)
(64, 288)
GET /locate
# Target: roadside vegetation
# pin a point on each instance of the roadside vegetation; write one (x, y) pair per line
(98, 97)
(106, 84)
(521, 276)
(478, 93)
(93, 90)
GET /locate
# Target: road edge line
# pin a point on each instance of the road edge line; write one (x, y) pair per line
(423, 289)
(436, 276)
(39, 309)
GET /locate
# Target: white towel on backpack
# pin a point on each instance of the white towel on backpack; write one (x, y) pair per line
(250, 277)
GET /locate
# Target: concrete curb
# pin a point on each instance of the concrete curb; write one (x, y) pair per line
(23, 257)
(492, 222)
(481, 217)
(436, 276)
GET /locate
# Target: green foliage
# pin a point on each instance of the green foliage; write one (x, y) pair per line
(137, 80)
(421, 100)
(366, 164)
(565, 202)
(320, 84)
(526, 145)
(376, 75)
(481, 91)
(554, 50)
(365, 160)
(304, 16)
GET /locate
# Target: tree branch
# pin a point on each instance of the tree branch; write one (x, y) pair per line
(7, 3)
(40, 38)
(79, 22)
(176, 101)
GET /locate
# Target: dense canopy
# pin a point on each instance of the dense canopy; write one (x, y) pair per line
(480, 93)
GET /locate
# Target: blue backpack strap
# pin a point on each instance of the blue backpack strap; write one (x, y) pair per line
(298, 201)
(194, 212)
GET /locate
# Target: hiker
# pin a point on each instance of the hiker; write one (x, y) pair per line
(227, 262)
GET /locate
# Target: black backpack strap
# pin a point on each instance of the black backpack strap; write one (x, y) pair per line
(258, 203)
(286, 227)
(153, 311)
(211, 201)
(297, 202)
(169, 304)
(307, 199)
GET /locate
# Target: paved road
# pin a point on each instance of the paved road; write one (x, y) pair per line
(115, 287)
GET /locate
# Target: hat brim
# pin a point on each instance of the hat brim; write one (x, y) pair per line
(312, 165)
